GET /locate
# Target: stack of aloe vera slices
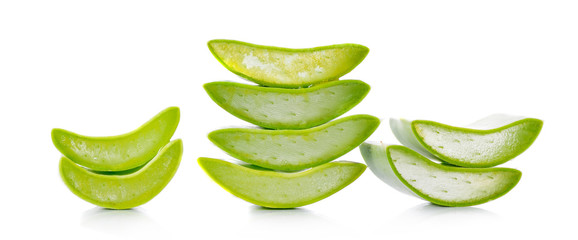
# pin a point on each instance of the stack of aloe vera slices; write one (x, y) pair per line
(465, 176)
(289, 158)
(124, 171)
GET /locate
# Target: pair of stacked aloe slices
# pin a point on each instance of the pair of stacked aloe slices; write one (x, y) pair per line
(289, 159)
(465, 176)
(124, 171)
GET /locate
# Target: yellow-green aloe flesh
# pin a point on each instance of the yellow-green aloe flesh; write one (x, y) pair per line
(285, 67)
(123, 191)
(279, 189)
(279, 108)
(486, 143)
(294, 150)
(122, 152)
(414, 174)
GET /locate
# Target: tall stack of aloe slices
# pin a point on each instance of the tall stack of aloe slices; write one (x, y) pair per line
(466, 175)
(287, 163)
(124, 171)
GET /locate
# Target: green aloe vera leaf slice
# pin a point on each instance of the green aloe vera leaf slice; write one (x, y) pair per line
(488, 142)
(294, 150)
(123, 191)
(414, 174)
(280, 108)
(122, 152)
(286, 67)
(280, 189)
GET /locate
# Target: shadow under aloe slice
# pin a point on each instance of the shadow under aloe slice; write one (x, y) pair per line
(294, 150)
(123, 191)
(286, 67)
(414, 174)
(280, 108)
(122, 152)
(488, 142)
(279, 189)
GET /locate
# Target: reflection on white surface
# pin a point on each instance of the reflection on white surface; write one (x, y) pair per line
(291, 222)
(432, 215)
(286, 216)
(130, 223)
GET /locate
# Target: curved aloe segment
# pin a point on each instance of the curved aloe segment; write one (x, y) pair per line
(285, 67)
(410, 172)
(293, 150)
(279, 108)
(122, 152)
(125, 190)
(278, 189)
(489, 142)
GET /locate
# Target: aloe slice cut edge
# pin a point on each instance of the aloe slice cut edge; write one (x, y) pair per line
(278, 189)
(294, 150)
(125, 190)
(122, 152)
(279, 108)
(411, 173)
(286, 67)
(488, 142)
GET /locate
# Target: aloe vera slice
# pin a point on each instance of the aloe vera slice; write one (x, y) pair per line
(486, 143)
(123, 191)
(293, 150)
(279, 189)
(122, 152)
(280, 108)
(414, 174)
(285, 67)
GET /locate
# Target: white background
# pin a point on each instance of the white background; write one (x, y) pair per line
(105, 67)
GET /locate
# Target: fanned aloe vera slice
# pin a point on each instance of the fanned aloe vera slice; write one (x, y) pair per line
(278, 189)
(125, 189)
(488, 142)
(285, 67)
(412, 173)
(279, 108)
(294, 150)
(122, 152)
